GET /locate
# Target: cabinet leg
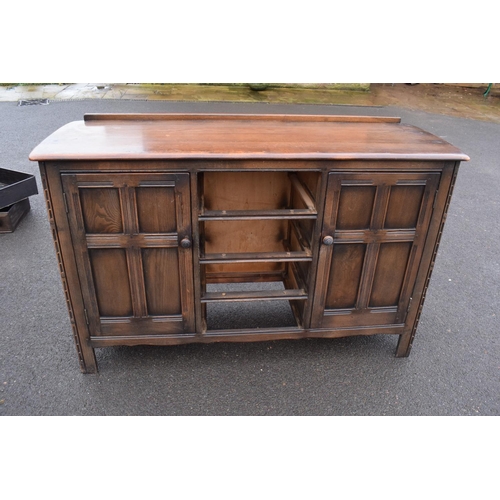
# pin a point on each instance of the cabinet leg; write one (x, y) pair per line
(404, 345)
(89, 366)
(86, 357)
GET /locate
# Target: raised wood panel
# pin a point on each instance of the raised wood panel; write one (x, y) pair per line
(345, 276)
(111, 281)
(392, 263)
(404, 206)
(101, 210)
(161, 278)
(156, 209)
(356, 207)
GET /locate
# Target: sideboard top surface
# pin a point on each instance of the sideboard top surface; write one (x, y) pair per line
(223, 136)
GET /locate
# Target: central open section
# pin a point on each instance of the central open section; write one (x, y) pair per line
(255, 228)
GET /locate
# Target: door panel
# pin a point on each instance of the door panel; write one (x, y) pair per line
(136, 279)
(111, 281)
(378, 222)
(392, 262)
(156, 209)
(163, 295)
(404, 206)
(345, 271)
(355, 207)
(101, 210)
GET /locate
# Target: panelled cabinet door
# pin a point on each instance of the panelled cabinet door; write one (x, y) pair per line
(373, 235)
(132, 234)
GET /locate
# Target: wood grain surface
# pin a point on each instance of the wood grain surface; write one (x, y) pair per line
(241, 136)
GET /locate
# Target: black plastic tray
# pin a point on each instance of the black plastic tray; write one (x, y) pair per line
(15, 186)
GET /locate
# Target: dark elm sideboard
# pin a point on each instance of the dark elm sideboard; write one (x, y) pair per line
(158, 219)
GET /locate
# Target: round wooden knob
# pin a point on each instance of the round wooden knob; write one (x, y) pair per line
(328, 240)
(186, 243)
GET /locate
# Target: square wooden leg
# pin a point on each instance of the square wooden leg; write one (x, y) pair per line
(404, 345)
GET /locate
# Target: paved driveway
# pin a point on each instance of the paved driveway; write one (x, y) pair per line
(453, 368)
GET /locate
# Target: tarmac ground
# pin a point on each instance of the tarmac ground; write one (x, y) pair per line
(461, 100)
(454, 367)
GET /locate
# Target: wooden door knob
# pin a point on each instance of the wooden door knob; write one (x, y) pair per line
(328, 240)
(186, 243)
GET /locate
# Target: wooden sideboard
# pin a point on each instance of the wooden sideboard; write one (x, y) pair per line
(162, 221)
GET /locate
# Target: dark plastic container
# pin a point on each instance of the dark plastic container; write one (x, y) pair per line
(15, 186)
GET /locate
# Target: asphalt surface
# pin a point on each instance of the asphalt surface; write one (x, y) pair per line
(453, 368)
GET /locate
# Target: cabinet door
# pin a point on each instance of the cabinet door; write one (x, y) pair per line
(132, 240)
(374, 231)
